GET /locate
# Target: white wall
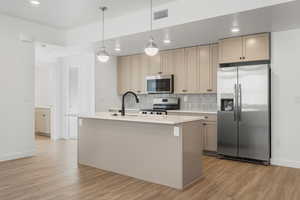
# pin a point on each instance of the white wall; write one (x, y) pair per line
(180, 12)
(106, 85)
(37, 32)
(44, 83)
(17, 96)
(85, 62)
(17, 84)
(286, 98)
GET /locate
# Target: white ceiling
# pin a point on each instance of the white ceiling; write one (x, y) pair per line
(268, 19)
(67, 14)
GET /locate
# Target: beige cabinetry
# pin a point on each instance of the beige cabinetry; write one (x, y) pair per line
(191, 64)
(124, 74)
(205, 69)
(208, 129)
(209, 133)
(136, 73)
(179, 71)
(231, 50)
(201, 65)
(245, 49)
(167, 62)
(256, 47)
(154, 65)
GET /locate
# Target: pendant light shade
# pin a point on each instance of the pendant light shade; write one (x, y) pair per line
(151, 48)
(102, 55)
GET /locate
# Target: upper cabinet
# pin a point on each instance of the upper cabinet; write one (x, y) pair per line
(244, 49)
(231, 50)
(194, 68)
(154, 66)
(256, 47)
(132, 71)
(124, 74)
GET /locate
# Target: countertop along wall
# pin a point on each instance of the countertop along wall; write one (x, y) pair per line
(286, 98)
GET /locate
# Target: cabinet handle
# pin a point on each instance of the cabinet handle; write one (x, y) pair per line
(244, 57)
(204, 124)
(206, 117)
(138, 91)
(184, 90)
(241, 58)
(159, 72)
(209, 90)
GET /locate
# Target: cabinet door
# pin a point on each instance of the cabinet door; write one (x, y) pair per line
(179, 71)
(231, 50)
(214, 64)
(136, 74)
(210, 136)
(154, 65)
(192, 66)
(204, 63)
(167, 62)
(124, 74)
(256, 47)
(144, 70)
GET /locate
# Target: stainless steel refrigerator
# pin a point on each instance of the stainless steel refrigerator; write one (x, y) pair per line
(244, 112)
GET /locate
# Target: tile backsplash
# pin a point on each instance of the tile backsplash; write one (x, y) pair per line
(196, 102)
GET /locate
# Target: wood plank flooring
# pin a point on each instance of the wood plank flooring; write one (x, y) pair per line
(53, 174)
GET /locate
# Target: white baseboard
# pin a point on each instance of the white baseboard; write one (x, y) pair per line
(17, 155)
(286, 163)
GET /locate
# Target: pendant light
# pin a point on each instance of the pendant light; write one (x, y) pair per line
(102, 54)
(151, 48)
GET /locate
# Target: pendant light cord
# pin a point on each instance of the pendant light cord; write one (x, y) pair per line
(103, 10)
(151, 10)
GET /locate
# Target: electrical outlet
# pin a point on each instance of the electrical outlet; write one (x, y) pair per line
(297, 99)
(176, 131)
(185, 98)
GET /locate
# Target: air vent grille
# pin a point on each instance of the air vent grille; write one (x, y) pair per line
(161, 14)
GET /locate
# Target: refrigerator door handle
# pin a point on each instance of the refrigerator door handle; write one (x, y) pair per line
(240, 102)
(235, 104)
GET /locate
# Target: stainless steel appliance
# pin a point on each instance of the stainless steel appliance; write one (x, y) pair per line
(160, 84)
(162, 105)
(244, 112)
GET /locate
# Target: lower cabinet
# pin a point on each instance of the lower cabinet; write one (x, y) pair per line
(208, 129)
(209, 132)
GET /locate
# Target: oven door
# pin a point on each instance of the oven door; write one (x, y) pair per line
(161, 84)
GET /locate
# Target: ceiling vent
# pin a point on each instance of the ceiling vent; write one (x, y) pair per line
(161, 14)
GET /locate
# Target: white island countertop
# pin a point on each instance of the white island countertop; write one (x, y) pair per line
(164, 119)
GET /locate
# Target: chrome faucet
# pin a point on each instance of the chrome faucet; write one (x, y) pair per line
(123, 102)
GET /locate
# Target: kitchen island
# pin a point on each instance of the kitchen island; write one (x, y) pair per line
(165, 150)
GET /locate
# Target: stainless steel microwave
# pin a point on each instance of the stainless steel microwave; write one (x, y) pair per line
(160, 84)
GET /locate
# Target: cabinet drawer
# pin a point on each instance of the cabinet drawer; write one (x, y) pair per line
(208, 117)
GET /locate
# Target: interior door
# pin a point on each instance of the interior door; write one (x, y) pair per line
(227, 111)
(254, 140)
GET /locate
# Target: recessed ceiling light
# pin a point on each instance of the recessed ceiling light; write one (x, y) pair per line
(35, 3)
(167, 41)
(117, 49)
(235, 30)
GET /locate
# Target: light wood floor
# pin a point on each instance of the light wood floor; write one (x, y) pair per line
(54, 174)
